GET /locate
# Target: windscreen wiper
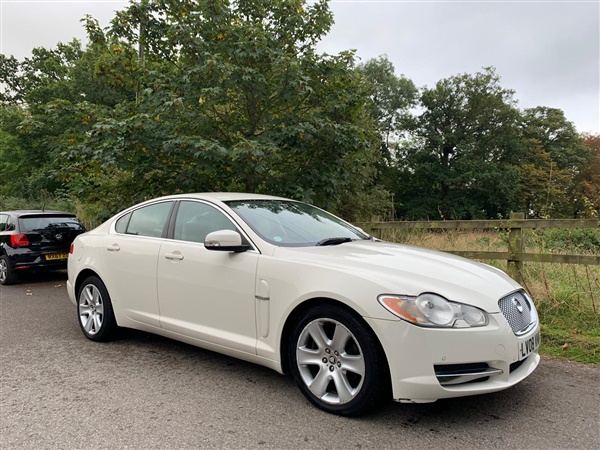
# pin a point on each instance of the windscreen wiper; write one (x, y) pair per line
(334, 241)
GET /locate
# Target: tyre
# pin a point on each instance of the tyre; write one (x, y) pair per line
(337, 361)
(94, 309)
(7, 274)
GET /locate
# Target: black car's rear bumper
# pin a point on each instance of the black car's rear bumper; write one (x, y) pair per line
(21, 261)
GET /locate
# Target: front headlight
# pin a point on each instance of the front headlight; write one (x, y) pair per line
(432, 310)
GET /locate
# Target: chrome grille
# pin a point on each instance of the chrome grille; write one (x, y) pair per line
(518, 311)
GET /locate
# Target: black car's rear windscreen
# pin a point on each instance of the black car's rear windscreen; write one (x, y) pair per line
(29, 224)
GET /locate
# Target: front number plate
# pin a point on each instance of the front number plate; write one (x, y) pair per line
(529, 346)
(57, 256)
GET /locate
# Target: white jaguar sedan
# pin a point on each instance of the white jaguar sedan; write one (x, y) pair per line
(289, 286)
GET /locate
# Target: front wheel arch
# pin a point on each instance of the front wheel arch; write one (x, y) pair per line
(305, 308)
(298, 312)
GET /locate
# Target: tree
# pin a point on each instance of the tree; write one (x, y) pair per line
(589, 179)
(229, 96)
(555, 156)
(11, 91)
(460, 161)
(392, 97)
(43, 108)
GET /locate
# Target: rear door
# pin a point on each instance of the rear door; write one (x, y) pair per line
(130, 259)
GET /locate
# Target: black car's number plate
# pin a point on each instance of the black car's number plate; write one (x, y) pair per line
(529, 345)
(56, 256)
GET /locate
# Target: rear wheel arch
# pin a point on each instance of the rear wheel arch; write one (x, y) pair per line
(82, 276)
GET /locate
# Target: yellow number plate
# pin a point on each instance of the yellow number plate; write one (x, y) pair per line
(57, 256)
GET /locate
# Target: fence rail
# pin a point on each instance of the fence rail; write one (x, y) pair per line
(515, 256)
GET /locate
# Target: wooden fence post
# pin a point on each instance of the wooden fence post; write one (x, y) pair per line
(514, 265)
(378, 231)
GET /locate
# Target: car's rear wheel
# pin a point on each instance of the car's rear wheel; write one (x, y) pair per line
(337, 361)
(7, 274)
(94, 309)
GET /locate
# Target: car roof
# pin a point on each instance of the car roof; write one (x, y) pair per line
(37, 212)
(224, 196)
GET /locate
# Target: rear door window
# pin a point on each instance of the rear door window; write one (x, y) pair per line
(150, 220)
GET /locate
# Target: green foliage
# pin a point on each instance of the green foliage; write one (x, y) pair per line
(26, 162)
(392, 97)
(461, 161)
(577, 240)
(179, 96)
(363, 206)
(239, 100)
(58, 202)
(588, 180)
(10, 80)
(555, 155)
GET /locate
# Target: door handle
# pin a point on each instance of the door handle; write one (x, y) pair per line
(113, 248)
(174, 256)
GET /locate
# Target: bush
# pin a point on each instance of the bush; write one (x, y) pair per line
(580, 240)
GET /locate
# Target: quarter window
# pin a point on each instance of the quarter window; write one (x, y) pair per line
(121, 225)
(10, 225)
(195, 220)
(3, 219)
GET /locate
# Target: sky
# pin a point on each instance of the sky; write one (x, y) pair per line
(548, 51)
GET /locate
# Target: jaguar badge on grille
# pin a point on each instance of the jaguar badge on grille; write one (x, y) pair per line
(517, 304)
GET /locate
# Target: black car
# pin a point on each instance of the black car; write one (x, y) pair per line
(35, 240)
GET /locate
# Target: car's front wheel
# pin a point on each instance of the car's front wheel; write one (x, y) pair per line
(337, 361)
(7, 274)
(94, 310)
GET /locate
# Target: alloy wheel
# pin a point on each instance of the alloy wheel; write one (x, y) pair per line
(330, 361)
(91, 309)
(3, 270)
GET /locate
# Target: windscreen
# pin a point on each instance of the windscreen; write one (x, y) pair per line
(31, 224)
(293, 224)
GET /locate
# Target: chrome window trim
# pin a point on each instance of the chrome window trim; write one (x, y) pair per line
(253, 247)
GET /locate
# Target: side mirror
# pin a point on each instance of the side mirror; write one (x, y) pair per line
(225, 241)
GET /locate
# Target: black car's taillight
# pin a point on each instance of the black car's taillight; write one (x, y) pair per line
(19, 240)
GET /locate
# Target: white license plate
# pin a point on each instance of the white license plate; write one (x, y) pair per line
(57, 256)
(529, 346)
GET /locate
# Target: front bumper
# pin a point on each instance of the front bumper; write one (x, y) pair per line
(412, 353)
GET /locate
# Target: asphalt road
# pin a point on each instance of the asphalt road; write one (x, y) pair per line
(59, 390)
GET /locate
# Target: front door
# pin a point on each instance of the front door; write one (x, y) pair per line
(206, 294)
